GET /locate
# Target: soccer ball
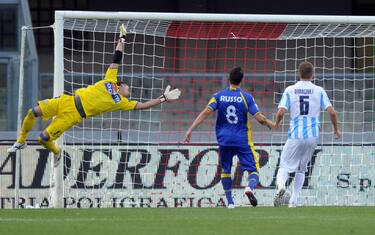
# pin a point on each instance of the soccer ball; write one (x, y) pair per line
(285, 199)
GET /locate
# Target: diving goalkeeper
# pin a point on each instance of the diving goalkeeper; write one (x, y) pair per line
(104, 96)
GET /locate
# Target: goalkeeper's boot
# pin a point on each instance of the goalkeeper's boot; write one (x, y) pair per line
(57, 158)
(250, 195)
(16, 146)
(292, 205)
(122, 33)
(277, 200)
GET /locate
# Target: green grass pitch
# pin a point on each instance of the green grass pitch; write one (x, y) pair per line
(260, 221)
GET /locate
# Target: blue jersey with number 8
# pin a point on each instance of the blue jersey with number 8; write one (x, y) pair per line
(233, 127)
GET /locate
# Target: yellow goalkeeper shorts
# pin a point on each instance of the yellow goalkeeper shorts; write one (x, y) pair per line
(64, 111)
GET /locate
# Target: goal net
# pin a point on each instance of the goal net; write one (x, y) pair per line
(136, 158)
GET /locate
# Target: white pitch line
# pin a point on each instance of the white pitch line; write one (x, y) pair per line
(15, 219)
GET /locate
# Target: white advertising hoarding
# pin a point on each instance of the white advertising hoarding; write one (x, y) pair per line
(181, 176)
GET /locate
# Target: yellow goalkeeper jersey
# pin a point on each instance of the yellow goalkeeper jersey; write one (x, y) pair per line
(102, 96)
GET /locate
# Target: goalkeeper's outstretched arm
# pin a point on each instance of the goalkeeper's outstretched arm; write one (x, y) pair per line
(117, 57)
(168, 95)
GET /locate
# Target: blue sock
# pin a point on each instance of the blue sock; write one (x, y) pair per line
(253, 180)
(227, 186)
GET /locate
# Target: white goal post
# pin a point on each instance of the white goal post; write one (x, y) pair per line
(136, 159)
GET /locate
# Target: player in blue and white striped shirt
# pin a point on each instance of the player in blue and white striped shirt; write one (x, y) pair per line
(304, 100)
(233, 133)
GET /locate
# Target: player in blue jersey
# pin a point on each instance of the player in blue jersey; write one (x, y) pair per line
(305, 100)
(233, 132)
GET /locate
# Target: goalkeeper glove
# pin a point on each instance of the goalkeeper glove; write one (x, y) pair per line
(122, 33)
(170, 94)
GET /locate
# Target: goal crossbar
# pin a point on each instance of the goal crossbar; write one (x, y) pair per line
(261, 18)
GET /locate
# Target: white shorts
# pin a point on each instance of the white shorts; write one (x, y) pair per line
(297, 154)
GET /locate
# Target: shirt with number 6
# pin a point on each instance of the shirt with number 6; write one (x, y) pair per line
(305, 100)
